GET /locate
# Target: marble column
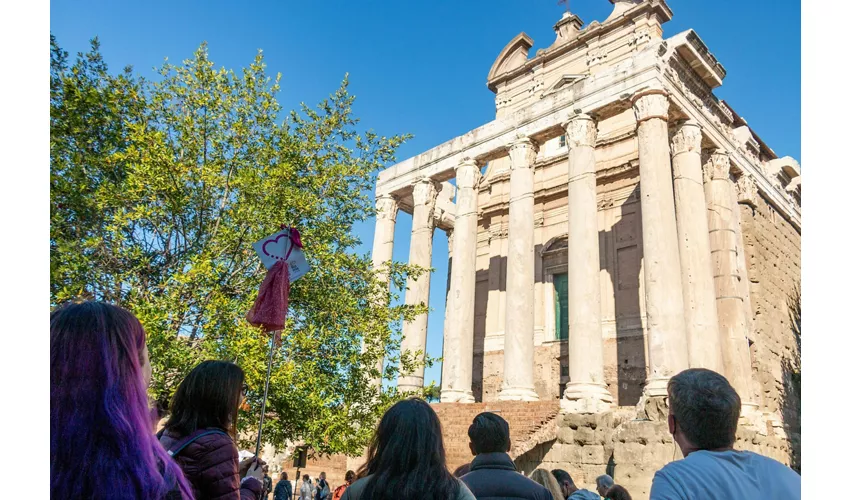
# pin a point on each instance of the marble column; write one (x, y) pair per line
(518, 373)
(586, 391)
(667, 342)
(382, 251)
(415, 331)
(458, 338)
(732, 316)
(694, 249)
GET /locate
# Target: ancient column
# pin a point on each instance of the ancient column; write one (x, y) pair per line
(382, 249)
(731, 314)
(457, 339)
(518, 375)
(415, 331)
(668, 345)
(746, 199)
(586, 391)
(694, 249)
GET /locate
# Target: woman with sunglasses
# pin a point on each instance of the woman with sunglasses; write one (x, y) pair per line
(201, 431)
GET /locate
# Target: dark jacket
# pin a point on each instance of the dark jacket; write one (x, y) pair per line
(283, 490)
(211, 465)
(493, 476)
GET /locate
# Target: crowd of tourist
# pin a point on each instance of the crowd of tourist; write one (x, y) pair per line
(103, 445)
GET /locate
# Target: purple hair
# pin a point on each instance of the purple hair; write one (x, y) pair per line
(101, 435)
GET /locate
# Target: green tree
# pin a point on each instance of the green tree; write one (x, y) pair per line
(159, 188)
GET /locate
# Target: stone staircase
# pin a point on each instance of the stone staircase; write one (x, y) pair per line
(526, 419)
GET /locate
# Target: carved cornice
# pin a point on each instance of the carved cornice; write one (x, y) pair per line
(699, 93)
(747, 189)
(581, 131)
(523, 152)
(716, 166)
(386, 207)
(651, 104)
(686, 138)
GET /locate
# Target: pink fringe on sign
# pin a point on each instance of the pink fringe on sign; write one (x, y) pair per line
(272, 304)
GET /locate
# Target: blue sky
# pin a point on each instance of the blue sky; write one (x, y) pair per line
(421, 67)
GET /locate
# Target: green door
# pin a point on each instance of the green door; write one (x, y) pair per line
(562, 317)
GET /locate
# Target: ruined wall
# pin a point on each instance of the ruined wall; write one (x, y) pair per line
(630, 450)
(772, 249)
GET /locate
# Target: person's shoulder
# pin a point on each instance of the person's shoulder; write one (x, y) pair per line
(354, 491)
(584, 495)
(463, 492)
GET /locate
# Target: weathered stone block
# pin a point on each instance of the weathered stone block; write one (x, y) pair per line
(593, 454)
(584, 436)
(566, 435)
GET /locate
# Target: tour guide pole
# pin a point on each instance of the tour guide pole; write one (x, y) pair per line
(272, 304)
(266, 392)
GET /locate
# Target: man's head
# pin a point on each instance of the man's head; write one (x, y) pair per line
(568, 487)
(322, 476)
(603, 484)
(704, 410)
(306, 478)
(349, 476)
(266, 468)
(489, 433)
(284, 476)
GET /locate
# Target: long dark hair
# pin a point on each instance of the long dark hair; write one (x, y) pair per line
(209, 396)
(406, 457)
(101, 434)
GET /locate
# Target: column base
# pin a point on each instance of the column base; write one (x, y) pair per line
(586, 397)
(656, 388)
(454, 396)
(518, 394)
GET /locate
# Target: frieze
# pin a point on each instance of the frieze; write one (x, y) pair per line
(596, 56)
(698, 92)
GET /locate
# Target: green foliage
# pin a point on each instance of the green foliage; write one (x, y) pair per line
(159, 188)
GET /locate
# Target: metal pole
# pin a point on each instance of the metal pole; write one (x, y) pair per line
(265, 395)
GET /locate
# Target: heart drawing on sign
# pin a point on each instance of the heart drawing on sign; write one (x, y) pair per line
(274, 248)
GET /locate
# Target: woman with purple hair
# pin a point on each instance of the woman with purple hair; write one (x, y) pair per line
(102, 444)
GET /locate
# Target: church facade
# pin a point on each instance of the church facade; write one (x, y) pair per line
(615, 224)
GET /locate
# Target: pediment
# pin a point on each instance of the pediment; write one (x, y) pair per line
(514, 55)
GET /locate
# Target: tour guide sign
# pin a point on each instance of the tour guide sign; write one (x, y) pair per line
(283, 255)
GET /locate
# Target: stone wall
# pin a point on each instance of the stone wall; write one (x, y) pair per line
(772, 249)
(625, 447)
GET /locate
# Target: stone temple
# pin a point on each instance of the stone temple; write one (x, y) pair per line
(615, 224)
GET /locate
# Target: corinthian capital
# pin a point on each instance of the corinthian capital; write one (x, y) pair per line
(651, 104)
(425, 191)
(747, 189)
(716, 166)
(386, 207)
(523, 152)
(468, 174)
(581, 131)
(686, 138)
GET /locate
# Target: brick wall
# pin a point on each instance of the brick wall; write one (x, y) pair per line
(523, 417)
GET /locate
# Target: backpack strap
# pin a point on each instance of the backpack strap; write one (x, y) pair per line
(173, 451)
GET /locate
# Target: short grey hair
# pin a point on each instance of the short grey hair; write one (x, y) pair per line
(605, 481)
(706, 408)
